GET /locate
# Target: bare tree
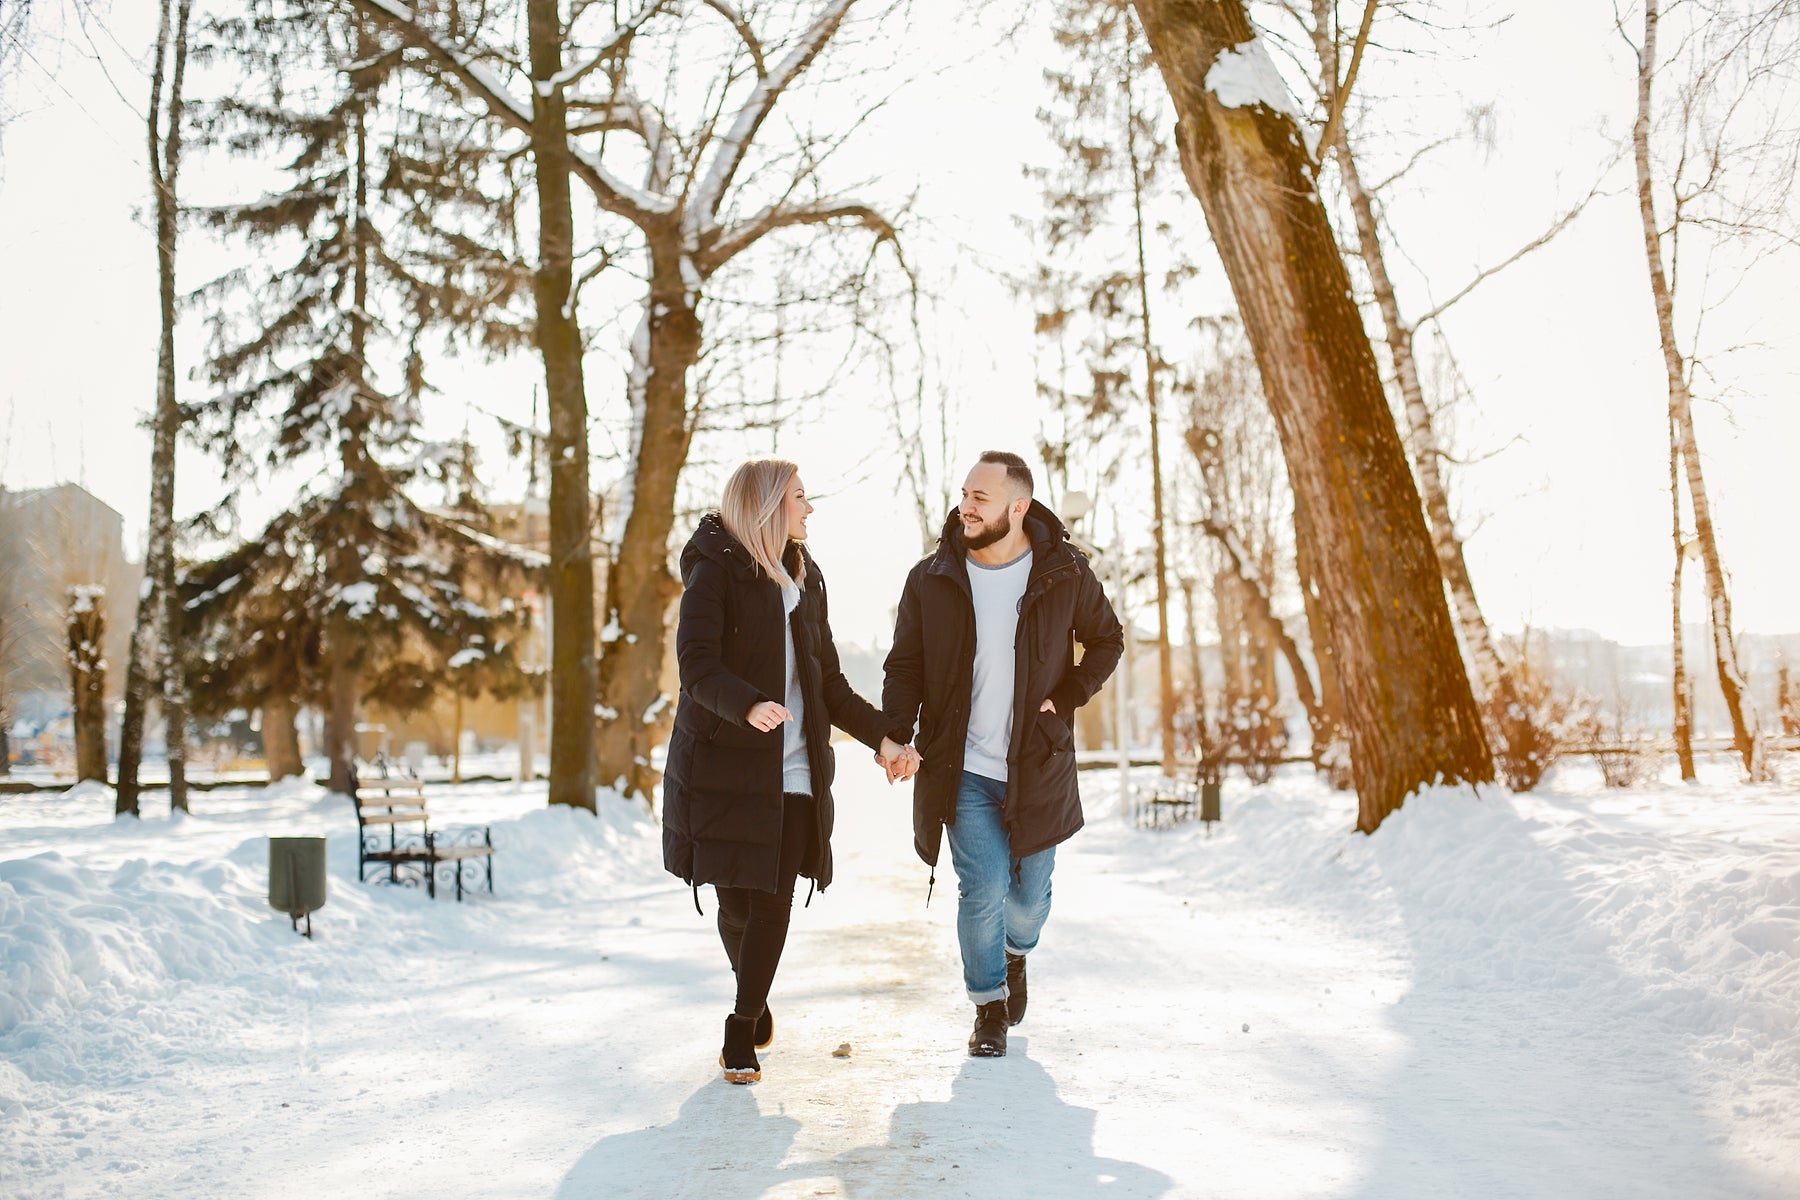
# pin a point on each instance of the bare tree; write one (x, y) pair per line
(696, 209)
(1734, 55)
(1105, 123)
(157, 615)
(1411, 714)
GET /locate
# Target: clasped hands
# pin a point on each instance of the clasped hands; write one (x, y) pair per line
(900, 762)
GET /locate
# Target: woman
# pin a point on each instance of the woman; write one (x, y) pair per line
(747, 789)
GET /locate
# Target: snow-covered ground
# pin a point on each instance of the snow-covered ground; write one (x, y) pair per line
(1566, 995)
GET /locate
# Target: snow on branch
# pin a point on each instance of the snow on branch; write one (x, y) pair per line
(612, 194)
(476, 78)
(625, 111)
(704, 207)
(611, 47)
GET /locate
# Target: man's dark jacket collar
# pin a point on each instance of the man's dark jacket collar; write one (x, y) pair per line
(1049, 538)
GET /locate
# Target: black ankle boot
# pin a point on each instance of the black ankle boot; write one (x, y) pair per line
(765, 1029)
(989, 1038)
(738, 1057)
(1015, 988)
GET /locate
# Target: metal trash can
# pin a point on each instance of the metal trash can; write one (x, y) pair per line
(297, 877)
(1209, 803)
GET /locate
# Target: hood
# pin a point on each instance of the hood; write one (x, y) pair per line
(712, 540)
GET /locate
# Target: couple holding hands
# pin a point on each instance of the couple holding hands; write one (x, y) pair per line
(983, 669)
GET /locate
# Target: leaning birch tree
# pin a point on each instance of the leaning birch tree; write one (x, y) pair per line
(1411, 714)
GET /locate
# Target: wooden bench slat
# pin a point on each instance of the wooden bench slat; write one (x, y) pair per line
(448, 852)
(394, 818)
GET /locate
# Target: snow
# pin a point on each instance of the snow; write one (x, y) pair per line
(83, 595)
(1244, 75)
(1575, 993)
(358, 599)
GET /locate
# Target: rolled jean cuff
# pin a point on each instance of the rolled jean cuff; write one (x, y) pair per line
(989, 997)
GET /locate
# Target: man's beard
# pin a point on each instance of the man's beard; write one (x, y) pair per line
(986, 535)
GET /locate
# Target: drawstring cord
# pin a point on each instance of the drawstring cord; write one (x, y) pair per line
(929, 884)
(697, 907)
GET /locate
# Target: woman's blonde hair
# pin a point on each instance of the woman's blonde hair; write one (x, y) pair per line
(754, 513)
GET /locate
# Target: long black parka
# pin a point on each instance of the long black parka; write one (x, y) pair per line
(929, 674)
(722, 805)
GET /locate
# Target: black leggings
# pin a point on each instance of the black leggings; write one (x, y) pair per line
(753, 923)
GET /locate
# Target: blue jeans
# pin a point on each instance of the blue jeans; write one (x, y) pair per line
(1002, 901)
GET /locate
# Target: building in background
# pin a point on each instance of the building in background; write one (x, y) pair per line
(53, 539)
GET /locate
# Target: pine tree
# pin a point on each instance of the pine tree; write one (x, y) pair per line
(382, 259)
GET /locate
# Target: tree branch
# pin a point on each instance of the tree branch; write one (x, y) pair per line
(607, 50)
(703, 206)
(1538, 242)
(748, 232)
(1341, 94)
(744, 31)
(613, 195)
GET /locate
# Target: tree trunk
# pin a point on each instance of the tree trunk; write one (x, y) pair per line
(152, 629)
(1165, 664)
(1745, 733)
(343, 686)
(1678, 677)
(1330, 750)
(1193, 640)
(1477, 640)
(456, 743)
(281, 737)
(558, 336)
(87, 677)
(639, 587)
(1411, 715)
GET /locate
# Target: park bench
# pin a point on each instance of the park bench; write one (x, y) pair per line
(1171, 801)
(394, 828)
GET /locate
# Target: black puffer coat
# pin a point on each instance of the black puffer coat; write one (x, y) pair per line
(930, 669)
(722, 784)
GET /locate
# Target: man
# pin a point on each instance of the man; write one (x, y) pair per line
(983, 662)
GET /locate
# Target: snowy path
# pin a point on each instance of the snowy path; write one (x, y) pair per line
(1457, 1008)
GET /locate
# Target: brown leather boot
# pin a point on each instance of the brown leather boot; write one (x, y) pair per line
(989, 1038)
(1015, 988)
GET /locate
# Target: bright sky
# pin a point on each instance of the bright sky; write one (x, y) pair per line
(1568, 513)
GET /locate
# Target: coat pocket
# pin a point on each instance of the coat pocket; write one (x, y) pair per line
(1053, 736)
